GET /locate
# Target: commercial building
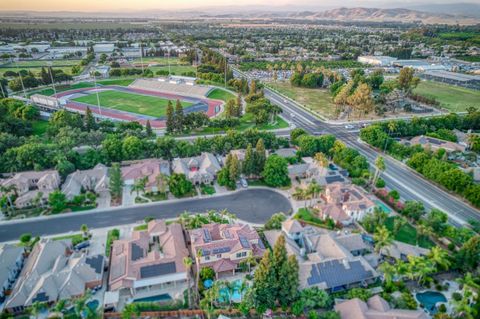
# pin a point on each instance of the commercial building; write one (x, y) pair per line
(453, 78)
(380, 60)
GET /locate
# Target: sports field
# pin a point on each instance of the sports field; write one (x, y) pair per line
(452, 98)
(220, 94)
(134, 103)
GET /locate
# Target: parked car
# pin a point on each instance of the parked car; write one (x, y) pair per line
(349, 127)
(82, 245)
(243, 182)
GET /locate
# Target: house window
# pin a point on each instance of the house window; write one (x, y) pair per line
(207, 257)
(219, 256)
(242, 254)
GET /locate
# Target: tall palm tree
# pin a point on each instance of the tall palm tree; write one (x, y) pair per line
(468, 283)
(440, 258)
(388, 271)
(379, 167)
(198, 255)
(299, 193)
(187, 262)
(382, 238)
(314, 188)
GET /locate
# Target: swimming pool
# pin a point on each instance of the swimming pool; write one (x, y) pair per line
(429, 300)
(235, 295)
(157, 298)
(382, 206)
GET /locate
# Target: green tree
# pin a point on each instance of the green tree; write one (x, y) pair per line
(234, 168)
(139, 185)
(406, 80)
(439, 257)
(116, 181)
(275, 173)
(314, 298)
(170, 122)
(57, 201)
(379, 167)
(248, 165)
(132, 147)
(187, 262)
(260, 156)
(89, 121)
(264, 283)
(179, 117)
(360, 293)
(148, 129)
(382, 238)
(179, 185)
(130, 310)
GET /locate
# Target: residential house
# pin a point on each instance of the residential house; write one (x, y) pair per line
(434, 144)
(375, 308)
(198, 169)
(224, 246)
(327, 260)
(30, 184)
(148, 168)
(286, 152)
(345, 203)
(310, 171)
(53, 272)
(400, 251)
(94, 180)
(150, 263)
(11, 262)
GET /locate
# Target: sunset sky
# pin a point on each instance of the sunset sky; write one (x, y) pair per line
(122, 5)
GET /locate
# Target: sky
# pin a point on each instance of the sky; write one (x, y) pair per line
(125, 5)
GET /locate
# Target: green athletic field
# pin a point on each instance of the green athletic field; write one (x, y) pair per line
(452, 98)
(134, 103)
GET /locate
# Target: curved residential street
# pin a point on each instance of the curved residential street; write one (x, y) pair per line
(254, 205)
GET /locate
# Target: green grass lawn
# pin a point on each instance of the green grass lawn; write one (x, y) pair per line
(317, 100)
(310, 217)
(220, 94)
(39, 127)
(174, 69)
(159, 60)
(452, 98)
(408, 234)
(119, 81)
(34, 69)
(156, 196)
(134, 103)
(40, 63)
(61, 88)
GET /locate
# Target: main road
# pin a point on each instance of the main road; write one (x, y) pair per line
(254, 205)
(397, 175)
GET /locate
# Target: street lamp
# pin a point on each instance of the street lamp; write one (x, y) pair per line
(51, 78)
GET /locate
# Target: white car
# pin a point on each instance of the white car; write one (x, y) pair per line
(349, 127)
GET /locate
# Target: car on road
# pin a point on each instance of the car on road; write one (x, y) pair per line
(349, 127)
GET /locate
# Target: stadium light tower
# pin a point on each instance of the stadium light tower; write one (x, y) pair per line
(141, 57)
(51, 78)
(96, 93)
(20, 77)
(225, 71)
(168, 62)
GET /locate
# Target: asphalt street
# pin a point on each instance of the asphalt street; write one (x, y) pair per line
(253, 205)
(397, 175)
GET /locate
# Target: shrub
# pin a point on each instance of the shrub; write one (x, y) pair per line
(457, 296)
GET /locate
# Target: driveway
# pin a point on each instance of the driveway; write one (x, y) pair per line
(254, 205)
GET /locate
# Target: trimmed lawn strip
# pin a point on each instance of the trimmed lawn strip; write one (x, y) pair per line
(408, 234)
(305, 215)
(112, 235)
(207, 189)
(134, 103)
(452, 98)
(220, 94)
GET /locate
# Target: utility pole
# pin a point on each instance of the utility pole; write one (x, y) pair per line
(141, 57)
(96, 92)
(20, 76)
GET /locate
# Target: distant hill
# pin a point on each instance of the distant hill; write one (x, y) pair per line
(383, 15)
(463, 9)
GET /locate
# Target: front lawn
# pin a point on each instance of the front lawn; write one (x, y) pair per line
(309, 217)
(155, 197)
(113, 234)
(408, 234)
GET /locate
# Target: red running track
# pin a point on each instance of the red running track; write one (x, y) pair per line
(131, 117)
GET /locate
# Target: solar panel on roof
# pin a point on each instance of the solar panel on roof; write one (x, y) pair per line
(220, 250)
(40, 297)
(261, 244)
(206, 235)
(335, 274)
(158, 270)
(96, 263)
(244, 242)
(333, 179)
(137, 252)
(205, 252)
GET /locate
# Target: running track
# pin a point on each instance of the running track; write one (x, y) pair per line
(132, 117)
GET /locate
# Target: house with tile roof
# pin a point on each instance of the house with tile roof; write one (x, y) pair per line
(11, 263)
(344, 203)
(201, 169)
(32, 184)
(148, 168)
(434, 144)
(326, 260)
(54, 272)
(150, 262)
(375, 308)
(224, 246)
(95, 180)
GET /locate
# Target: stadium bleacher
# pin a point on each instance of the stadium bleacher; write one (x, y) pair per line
(167, 87)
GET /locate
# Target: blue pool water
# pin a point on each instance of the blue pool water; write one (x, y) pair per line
(162, 297)
(429, 300)
(382, 206)
(235, 295)
(93, 305)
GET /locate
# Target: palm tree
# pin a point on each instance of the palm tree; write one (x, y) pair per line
(439, 257)
(423, 231)
(84, 230)
(379, 167)
(197, 274)
(314, 188)
(187, 262)
(299, 193)
(398, 223)
(388, 271)
(321, 159)
(382, 238)
(468, 282)
(250, 261)
(139, 185)
(36, 308)
(130, 311)
(81, 303)
(162, 182)
(184, 219)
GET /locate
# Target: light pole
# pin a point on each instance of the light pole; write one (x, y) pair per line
(96, 93)
(20, 76)
(141, 57)
(51, 78)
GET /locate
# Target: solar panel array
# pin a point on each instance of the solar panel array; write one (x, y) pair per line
(137, 252)
(334, 178)
(40, 297)
(158, 270)
(206, 236)
(334, 273)
(221, 250)
(244, 242)
(96, 263)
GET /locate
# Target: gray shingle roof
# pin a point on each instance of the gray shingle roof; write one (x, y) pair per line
(334, 273)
